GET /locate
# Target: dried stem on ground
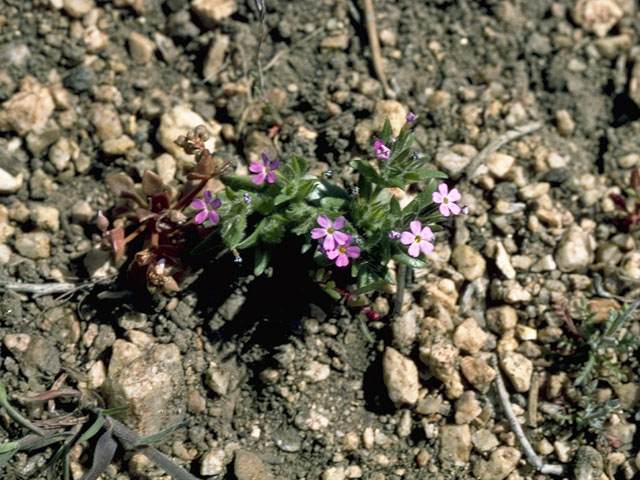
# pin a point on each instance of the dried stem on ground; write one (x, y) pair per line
(374, 43)
(533, 458)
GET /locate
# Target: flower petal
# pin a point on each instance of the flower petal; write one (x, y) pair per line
(342, 260)
(255, 167)
(426, 233)
(377, 144)
(198, 203)
(275, 163)
(265, 159)
(443, 189)
(436, 197)
(415, 227)
(329, 243)
(414, 249)
(259, 178)
(201, 217)
(323, 221)
(317, 233)
(271, 177)
(215, 203)
(454, 195)
(332, 254)
(455, 208)
(208, 197)
(339, 223)
(353, 252)
(426, 247)
(444, 210)
(341, 238)
(407, 238)
(214, 218)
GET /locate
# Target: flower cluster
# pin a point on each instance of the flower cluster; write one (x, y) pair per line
(336, 244)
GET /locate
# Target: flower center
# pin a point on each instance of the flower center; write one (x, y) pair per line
(330, 230)
(417, 239)
(342, 249)
(445, 200)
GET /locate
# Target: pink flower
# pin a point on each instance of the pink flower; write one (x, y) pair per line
(418, 239)
(207, 208)
(342, 253)
(447, 200)
(331, 232)
(264, 171)
(382, 151)
(411, 117)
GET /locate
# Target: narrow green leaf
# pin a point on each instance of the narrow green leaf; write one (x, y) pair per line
(261, 262)
(252, 239)
(370, 287)
(8, 446)
(367, 171)
(386, 131)
(6, 456)
(13, 413)
(161, 434)
(394, 204)
(113, 411)
(409, 261)
(93, 429)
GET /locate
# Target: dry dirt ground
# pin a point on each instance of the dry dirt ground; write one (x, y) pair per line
(530, 107)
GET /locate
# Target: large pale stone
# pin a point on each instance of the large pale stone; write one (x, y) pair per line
(178, 121)
(151, 385)
(455, 444)
(400, 376)
(212, 12)
(597, 16)
(575, 251)
(519, 369)
(469, 262)
(29, 109)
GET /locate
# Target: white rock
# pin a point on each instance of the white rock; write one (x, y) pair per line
(46, 216)
(34, 245)
(575, 251)
(166, 167)
(177, 122)
(501, 463)
(212, 12)
(453, 164)
(519, 369)
(400, 376)
(503, 261)
(213, 462)
(469, 262)
(5, 254)
(60, 153)
(467, 408)
(141, 48)
(499, 164)
(29, 109)
(17, 342)
(78, 8)
(597, 16)
(334, 473)
(441, 359)
(96, 375)
(317, 372)
(469, 336)
(455, 444)
(10, 183)
(394, 111)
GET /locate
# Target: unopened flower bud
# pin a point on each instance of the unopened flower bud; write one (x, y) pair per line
(102, 222)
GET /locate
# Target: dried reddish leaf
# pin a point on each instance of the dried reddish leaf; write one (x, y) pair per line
(205, 164)
(152, 184)
(619, 201)
(635, 178)
(160, 202)
(116, 236)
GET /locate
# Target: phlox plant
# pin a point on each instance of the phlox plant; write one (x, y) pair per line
(357, 231)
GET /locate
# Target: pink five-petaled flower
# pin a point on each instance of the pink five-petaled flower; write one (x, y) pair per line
(264, 171)
(342, 253)
(207, 208)
(418, 239)
(331, 232)
(382, 151)
(447, 200)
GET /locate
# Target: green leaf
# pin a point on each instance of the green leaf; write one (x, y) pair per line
(113, 411)
(367, 171)
(386, 131)
(230, 194)
(370, 287)
(261, 262)
(209, 243)
(8, 446)
(233, 231)
(93, 429)
(394, 205)
(409, 261)
(13, 413)
(332, 203)
(240, 183)
(281, 198)
(6, 456)
(299, 165)
(159, 435)
(252, 239)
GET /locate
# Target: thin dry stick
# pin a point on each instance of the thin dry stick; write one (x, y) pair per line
(533, 458)
(532, 404)
(374, 43)
(498, 143)
(38, 289)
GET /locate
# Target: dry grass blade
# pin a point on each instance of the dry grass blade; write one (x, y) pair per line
(102, 456)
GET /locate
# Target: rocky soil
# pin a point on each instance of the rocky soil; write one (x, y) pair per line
(531, 108)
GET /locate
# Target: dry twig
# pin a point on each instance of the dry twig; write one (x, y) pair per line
(374, 43)
(533, 458)
(498, 143)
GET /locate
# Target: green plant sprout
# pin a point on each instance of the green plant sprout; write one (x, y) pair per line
(78, 427)
(335, 234)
